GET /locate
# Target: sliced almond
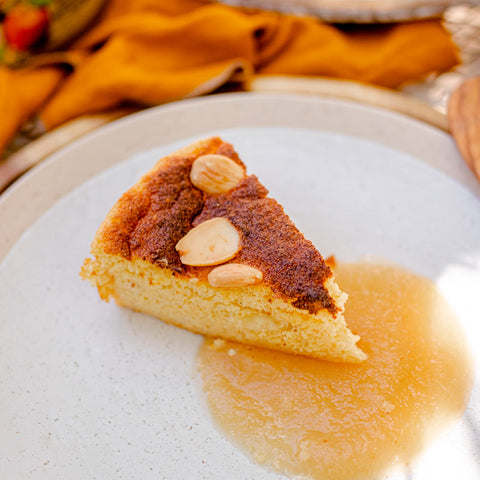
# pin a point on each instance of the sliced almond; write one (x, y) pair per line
(216, 173)
(210, 243)
(234, 275)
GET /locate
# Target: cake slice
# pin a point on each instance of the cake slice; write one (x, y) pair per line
(199, 244)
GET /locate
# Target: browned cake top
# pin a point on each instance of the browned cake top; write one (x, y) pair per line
(150, 219)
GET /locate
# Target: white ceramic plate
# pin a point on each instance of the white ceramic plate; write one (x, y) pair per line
(89, 390)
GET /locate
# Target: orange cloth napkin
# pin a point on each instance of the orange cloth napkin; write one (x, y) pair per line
(155, 51)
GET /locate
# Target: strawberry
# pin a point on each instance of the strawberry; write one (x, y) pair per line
(25, 25)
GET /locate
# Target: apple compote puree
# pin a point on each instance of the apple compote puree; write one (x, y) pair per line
(326, 420)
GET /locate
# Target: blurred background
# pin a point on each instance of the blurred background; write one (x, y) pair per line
(68, 67)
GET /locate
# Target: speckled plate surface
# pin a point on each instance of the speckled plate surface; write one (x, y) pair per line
(90, 390)
(359, 11)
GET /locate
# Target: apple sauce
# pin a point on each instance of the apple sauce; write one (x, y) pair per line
(325, 420)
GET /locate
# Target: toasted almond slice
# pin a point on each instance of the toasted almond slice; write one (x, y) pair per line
(212, 242)
(215, 173)
(234, 275)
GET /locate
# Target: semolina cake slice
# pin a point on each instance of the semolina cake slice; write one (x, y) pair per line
(198, 244)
